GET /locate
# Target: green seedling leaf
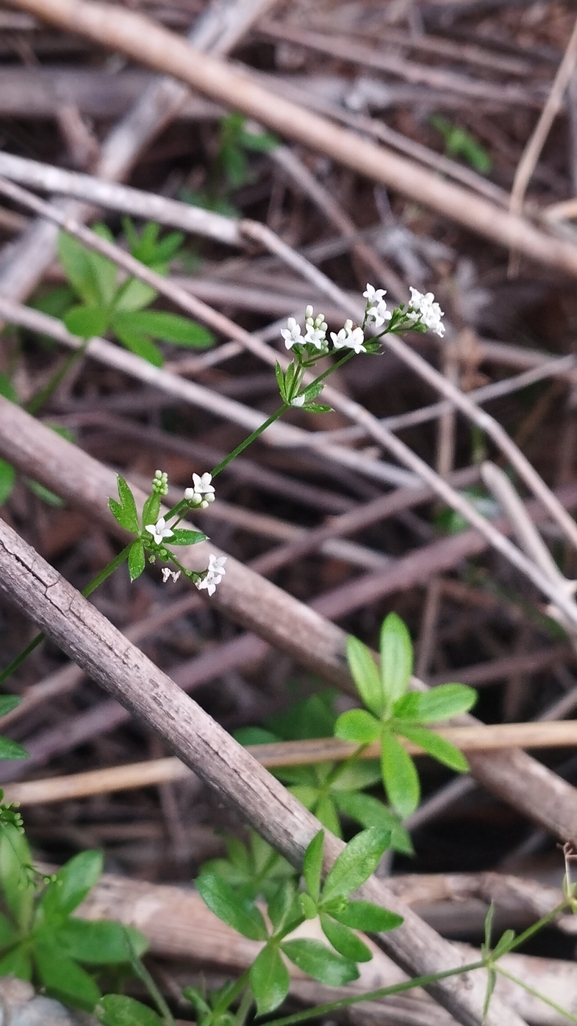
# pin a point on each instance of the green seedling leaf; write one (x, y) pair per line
(357, 775)
(269, 979)
(282, 905)
(7, 481)
(125, 511)
(363, 915)
(356, 863)
(11, 750)
(491, 981)
(8, 933)
(70, 886)
(436, 746)
(325, 811)
(263, 142)
(135, 294)
(370, 812)
(138, 343)
(308, 906)
(168, 247)
(344, 940)
(75, 259)
(136, 560)
(105, 271)
(400, 777)
(359, 726)
(313, 864)
(240, 913)
(64, 979)
(99, 943)
(17, 963)
(319, 962)
(151, 509)
(86, 321)
(18, 888)
(489, 927)
(186, 537)
(396, 658)
(443, 702)
(503, 945)
(365, 676)
(171, 328)
(117, 1010)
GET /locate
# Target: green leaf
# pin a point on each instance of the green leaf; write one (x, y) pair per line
(491, 981)
(136, 560)
(235, 911)
(357, 775)
(319, 962)
(140, 344)
(313, 865)
(282, 904)
(17, 885)
(444, 701)
(399, 776)
(151, 509)
(369, 811)
(308, 906)
(7, 481)
(117, 1010)
(135, 295)
(365, 676)
(104, 942)
(356, 862)
(64, 979)
(436, 746)
(86, 321)
(186, 537)
(8, 933)
(317, 408)
(396, 658)
(255, 736)
(269, 979)
(75, 259)
(344, 940)
(504, 943)
(363, 915)
(326, 813)
(168, 247)
(17, 963)
(7, 390)
(105, 271)
(263, 142)
(71, 885)
(125, 512)
(170, 328)
(11, 750)
(44, 493)
(359, 726)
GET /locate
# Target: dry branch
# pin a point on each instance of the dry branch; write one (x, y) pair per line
(149, 44)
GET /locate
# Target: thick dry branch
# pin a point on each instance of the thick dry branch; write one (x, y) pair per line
(149, 44)
(113, 662)
(275, 616)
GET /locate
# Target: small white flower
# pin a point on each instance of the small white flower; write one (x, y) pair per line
(202, 485)
(298, 400)
(422, 307)
(160, 531)
(167, 574)
(292, 334)
(214, 574)
(316, 336)
(349, 337)
(376, 312)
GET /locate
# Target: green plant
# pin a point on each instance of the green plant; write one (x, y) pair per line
(460, 143)
(392, 711)
(40, 939)
(108, 304)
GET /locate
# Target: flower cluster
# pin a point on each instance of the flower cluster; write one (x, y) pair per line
(160, 482)
(315, 331)
(376, 312)
(214, 574)
(349, 337)
(202, 492)
(423, 310)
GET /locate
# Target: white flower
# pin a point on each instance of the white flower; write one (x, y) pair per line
(160, 531)
(376, 312)
(298, 400)
(167, 574)
(292, 334)
(422, 307)
(316, 336)
(214, 574)
(350, 337)
(202, 485)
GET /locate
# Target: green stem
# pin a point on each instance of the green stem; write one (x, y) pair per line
(244, 1007)
(374, 995)
(119, 559)
(342, 766)
(537, 926)
(248, 441)
(35, 404)
(221, 1006)
(536, 994)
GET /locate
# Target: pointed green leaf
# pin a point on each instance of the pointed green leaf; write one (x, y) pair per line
(129, 515)
(64, 979)
(344, 940)
(11, 750)
(135, 295)
(369, 811)
(71, 885)
(356, 862)
(8, 703)
(365, 676)
(151, 509)
(363, 915)
(436, 746)
(118, 1010)
(304, 793)
(269, 979)
(504, 943)
(138, 343)
(240, 913)
(319, 962)
(104, 942)
(282, 905)
(7, 481)
(308, 906)
(317, 408)
(489, 927)
(359, 726)
(8, 933)
(313, 864)
(326, 813)
(17, 963)
(15, 879)
(396, 658)
(491, 981)
(105, 271)
(186, 537)
(171, 328)
(75, 260)
(86, 321)
(399, 776)
(357, 775)
(444, 701)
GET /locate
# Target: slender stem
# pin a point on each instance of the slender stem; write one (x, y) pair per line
(536, 994)
(342, 766)
(243, 1008)
(538, 925)
(248, 441)
(230, 996)
(398, 988)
